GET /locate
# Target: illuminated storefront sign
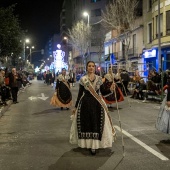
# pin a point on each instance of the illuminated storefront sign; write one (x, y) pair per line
(150, 53)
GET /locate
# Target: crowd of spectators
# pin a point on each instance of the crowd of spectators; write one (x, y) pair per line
(11, 81)
(130, 83)
(152, 86)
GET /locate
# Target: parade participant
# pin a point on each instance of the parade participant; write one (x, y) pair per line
(62, 97)
(92, 125)
(109, 79)
(163, 120)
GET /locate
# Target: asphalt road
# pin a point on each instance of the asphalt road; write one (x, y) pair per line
(35, 136)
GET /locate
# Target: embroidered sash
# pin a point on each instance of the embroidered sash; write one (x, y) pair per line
(99, 99)
(93, 92)
(61, 78)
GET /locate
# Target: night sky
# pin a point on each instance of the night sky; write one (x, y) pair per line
(40, 19)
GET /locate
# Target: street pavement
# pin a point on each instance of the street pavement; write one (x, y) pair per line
(3, 108)
(35, 136)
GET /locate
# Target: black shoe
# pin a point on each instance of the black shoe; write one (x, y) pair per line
(132, 97)
(67, 108)
(93, 151)
(61, 108)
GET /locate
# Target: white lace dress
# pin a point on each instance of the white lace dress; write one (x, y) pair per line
(163, 119)
(86, 141)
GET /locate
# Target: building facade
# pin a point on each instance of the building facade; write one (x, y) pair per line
(152, 41)
(94, 9)
(125, 52)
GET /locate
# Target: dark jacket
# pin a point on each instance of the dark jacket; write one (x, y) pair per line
(125, 76)
(15, 81)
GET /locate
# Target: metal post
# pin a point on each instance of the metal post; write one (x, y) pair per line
(88, 20)
(24, 51)
(89, 43)
(159, 37)
(30, 55)
(162, 78)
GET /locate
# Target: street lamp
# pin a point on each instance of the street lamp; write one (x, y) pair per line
(30, 53)
(86, 14)
(25, 42)
(65, 38)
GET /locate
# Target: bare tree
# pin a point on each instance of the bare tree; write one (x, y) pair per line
(120, 15)
(79, 37)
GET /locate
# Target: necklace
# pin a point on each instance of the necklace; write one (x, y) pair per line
(92, 78)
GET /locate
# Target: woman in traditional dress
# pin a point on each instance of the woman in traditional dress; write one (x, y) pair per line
(109, 79)
(62, 97)
(92, 126)
(163, 120)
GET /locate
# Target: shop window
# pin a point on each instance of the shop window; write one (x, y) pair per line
(149, 32)
(149, 5)
(167, 22)
(161, 25)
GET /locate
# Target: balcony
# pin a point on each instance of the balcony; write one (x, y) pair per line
(121, 55)
(132, 52)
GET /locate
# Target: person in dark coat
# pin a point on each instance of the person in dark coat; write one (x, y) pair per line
(125, 78)
(138, 91)
(15, 80)
(72, 77)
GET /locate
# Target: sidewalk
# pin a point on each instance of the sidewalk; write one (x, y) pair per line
(3, 109)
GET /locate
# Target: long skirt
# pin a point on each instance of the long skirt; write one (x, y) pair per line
(105, 142)
(163, 119)
(62, 97)
(56, 102)
(112, 97)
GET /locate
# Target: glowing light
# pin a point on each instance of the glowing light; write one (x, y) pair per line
(37, 69)
(47, 68)
(85, 14)
(58, 46)
(59, 59)
(150, 53)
